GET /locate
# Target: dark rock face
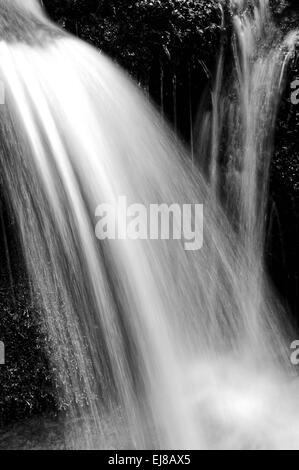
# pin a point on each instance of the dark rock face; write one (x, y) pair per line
(27, 381)
(283, 251)
(137, 32)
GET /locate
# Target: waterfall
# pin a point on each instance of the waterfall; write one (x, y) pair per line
(164, 347)
(237, 135)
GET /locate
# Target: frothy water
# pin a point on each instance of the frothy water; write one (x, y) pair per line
(161, 347)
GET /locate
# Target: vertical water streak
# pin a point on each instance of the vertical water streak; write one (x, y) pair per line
(191, 113)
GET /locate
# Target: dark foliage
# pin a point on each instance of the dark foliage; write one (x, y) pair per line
(27, 381)
(138, 32)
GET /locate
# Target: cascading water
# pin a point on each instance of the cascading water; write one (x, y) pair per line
(158, 344)
(245, 113)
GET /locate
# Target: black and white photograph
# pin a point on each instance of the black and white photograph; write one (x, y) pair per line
(149, 227)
